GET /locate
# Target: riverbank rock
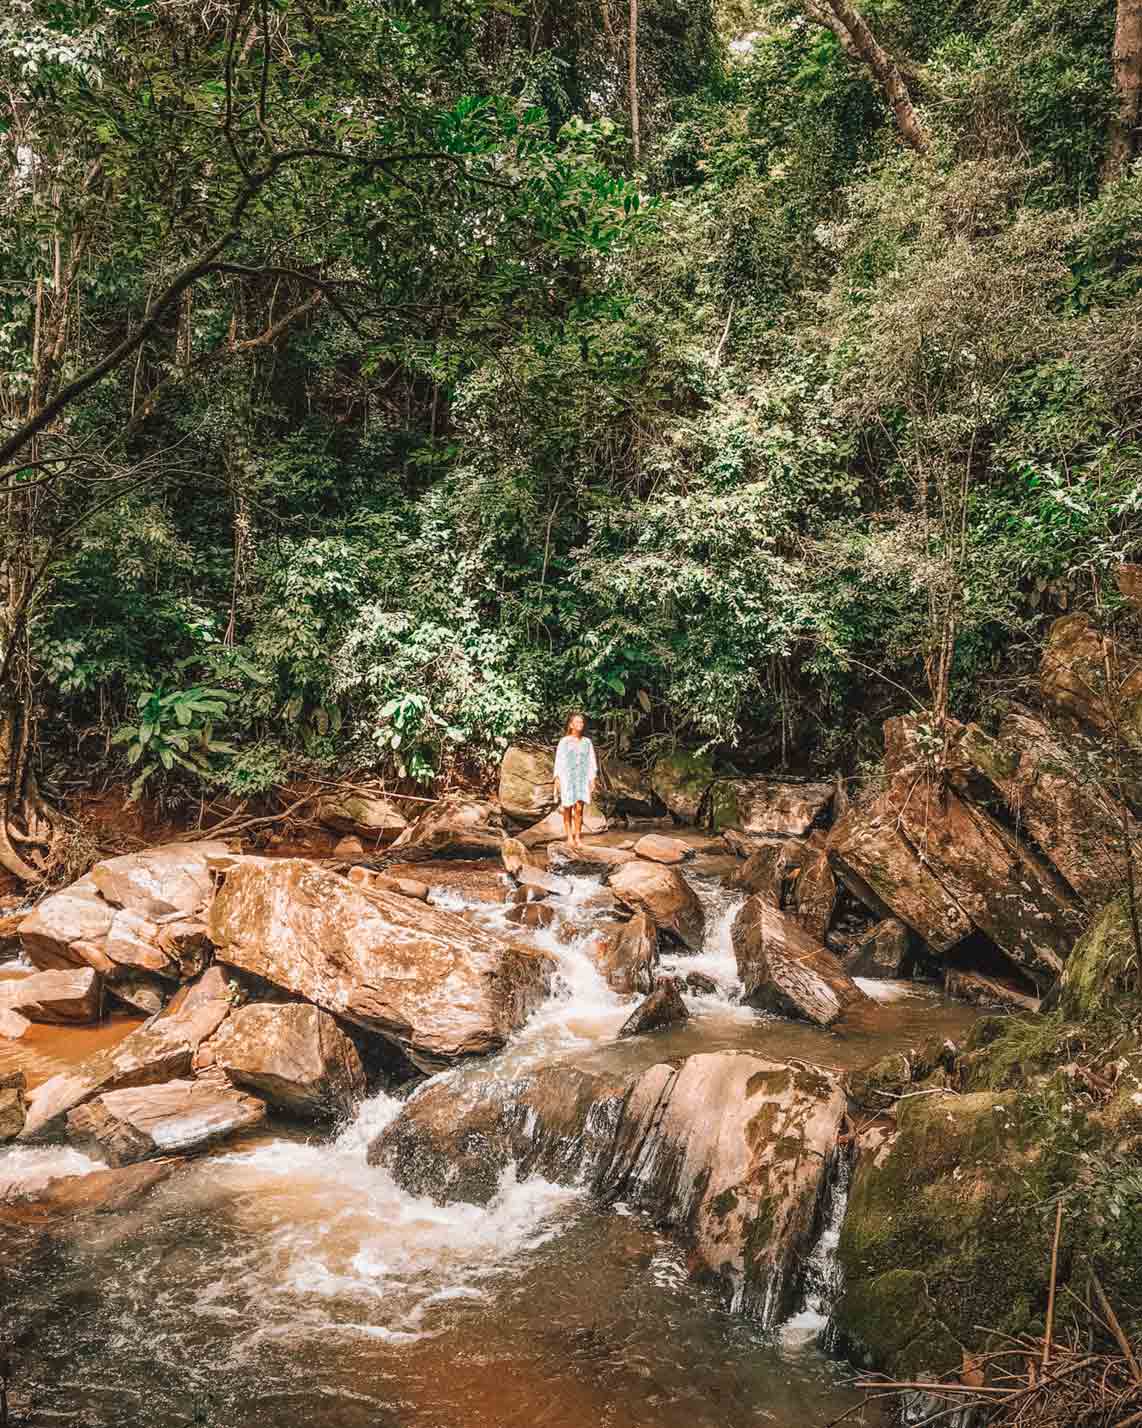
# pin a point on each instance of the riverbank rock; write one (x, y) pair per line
(63, 998)
(161, 1050)
(174, 1118)
(435, 986)
(943, 1241)
(458, 826)
(659, 848)
(13, 1106)
(627, 958)
(783, 970)
(516, 856)
(1073, 679)
(368, 816)
(734, 1152)
(1101, 974)
(766, 872)
(527, 778)
(883, 952)
(551, 830)
(764, 808)
(293, 1055)
(1052, 787)
(665, 896)
(681, 780)
(662, 1008)
(139, 912)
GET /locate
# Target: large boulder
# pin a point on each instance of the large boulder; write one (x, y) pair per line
(294, 1055)
(945, 1245)
(665, 896)
(1052, 789)
(1101, 975)
(174, 1118)
(735, 1151)
(658, 848)
(765, 808)
(625, 789)
(458, 826)
(432, 984)
(663, 1008)
(141, 912)
(944, 865)
(527, 777)
(815, 890)
(457, 1136)
(368, 816)
(1073, 679)
(68, 998)
(161, 1050)
(767, 871)
(627, 957)
(783, 970)
(682, 780)
(731, 1151)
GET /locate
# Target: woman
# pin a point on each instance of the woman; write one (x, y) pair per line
(576, 770)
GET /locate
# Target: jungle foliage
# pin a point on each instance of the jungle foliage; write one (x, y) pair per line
(437, 417)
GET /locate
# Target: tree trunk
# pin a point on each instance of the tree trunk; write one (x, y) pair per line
(1126, 126)
(885, 71)
(632, 76)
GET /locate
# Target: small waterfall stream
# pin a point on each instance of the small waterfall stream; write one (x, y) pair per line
(286, 1281)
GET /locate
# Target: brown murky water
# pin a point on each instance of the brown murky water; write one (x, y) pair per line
(283, 1282)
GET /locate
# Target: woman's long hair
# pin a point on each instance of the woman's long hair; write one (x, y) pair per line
(570, 719)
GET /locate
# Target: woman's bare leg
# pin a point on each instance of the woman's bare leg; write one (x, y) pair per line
(578, 816)
(568, 834)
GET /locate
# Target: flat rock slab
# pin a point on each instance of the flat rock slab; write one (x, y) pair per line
(174, 1118)
(294, 1055)
(665, 896)
(984, 991)
(551, 830)
(783, 970)
(588, 858)
(65, 997)
(432, 984)
(102, 1192)
(660, 848)
(162, 1049)
(473, 879)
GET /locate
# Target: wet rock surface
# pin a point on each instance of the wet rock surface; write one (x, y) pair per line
(434, 985)
(665, 896)
(662, 1008)
(783, 970)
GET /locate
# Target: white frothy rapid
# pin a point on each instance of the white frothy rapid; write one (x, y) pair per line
(25, 1169)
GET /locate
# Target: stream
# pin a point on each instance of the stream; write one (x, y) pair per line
(283, 1282)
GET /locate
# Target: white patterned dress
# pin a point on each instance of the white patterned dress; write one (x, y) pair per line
(576, 768)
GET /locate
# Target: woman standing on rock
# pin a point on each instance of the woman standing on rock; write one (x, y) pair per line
(576, 770)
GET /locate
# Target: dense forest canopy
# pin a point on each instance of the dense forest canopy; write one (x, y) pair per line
(382, 380)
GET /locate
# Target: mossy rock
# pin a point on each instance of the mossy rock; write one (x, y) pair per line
(681, 780)
(878, 1086)
(955, 1206)
(1102, 974)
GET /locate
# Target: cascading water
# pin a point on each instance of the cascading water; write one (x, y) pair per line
(285, 1280)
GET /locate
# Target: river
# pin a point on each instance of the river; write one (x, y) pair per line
(284, 1283)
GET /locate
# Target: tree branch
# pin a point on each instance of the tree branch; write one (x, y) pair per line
(885, 71)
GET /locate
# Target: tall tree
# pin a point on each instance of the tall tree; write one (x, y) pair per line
(632, 75)
(1126, 126)
(858, 41)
